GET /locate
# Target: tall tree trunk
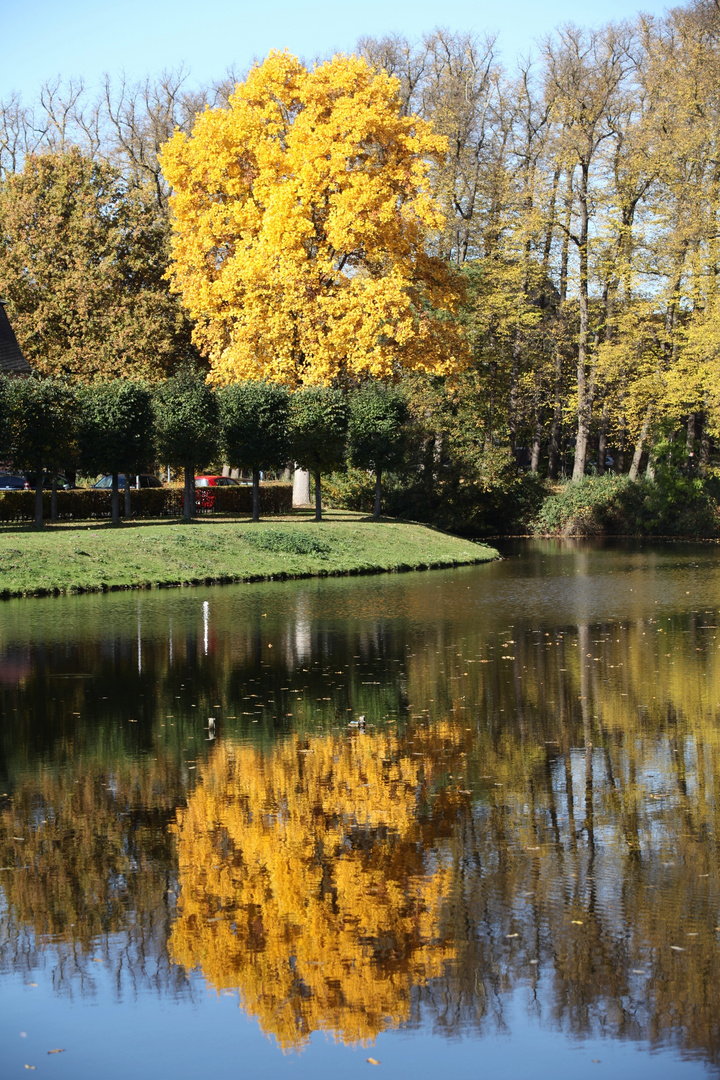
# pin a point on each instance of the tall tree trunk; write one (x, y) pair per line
(115, 500)
(536, 444)
(256, 495)
(583, 384)
(378, 492)
(554, 451)
(602, 440)
(514, 392)
(704, 457)
(318, 498)
(189, 492)
(690, 443)
(650, 467)
(39, 499)
(640, 444)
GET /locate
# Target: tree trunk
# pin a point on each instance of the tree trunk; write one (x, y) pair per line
(301, 487)
(53, 500)
(584, 393)
(38, 499)
(189, 492)
(537, 443)
(128, 502)
(115, 500)
(602, 440)
(318, 498)
(690, 444)
(704, 458)
(514, 392)
(637, 456)
(378, 492)
(554, 450)
(650, 467)
(256, 495)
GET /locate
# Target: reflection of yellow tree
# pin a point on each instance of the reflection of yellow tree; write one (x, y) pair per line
(308, 883)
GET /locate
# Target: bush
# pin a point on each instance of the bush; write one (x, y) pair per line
(351, 490)
(671, 505)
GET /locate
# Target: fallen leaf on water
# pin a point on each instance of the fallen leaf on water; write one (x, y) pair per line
(576, 922)
(677, 948)
(512, 935)
(30, 1066)
(97, 960)
(373, 1061)
(60, 1050)
(32, 984)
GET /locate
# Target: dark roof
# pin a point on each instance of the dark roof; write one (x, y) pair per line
(12, 361)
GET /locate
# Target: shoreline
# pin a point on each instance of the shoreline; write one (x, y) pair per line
(73, 559)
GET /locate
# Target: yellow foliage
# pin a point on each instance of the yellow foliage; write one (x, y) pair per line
(307, 883)
(301, 222)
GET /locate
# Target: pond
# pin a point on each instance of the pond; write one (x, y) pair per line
(211, 864)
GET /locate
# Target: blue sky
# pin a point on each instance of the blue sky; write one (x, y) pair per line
(45, 38)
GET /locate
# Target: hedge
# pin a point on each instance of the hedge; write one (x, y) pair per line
(84, 504)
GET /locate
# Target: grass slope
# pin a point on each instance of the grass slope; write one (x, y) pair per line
(91, 558)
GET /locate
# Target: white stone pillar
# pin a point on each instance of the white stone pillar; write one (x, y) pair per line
(301, 487)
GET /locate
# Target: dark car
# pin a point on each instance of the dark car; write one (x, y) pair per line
(146, 480)
(62, 481)
(13, 482)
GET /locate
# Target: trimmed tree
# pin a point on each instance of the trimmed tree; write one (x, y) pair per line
(44, 430)
(254, 420)
(186, 427)
(318, 433)
(116, 432)
(376, 432)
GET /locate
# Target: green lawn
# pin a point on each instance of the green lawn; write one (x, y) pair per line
(93, 557)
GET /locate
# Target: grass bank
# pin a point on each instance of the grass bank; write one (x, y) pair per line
(99, 557)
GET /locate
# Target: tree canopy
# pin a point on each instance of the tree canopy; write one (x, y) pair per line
(186, 427)
(254, 429)
(318, 432)
(303, 221)
(82, 263)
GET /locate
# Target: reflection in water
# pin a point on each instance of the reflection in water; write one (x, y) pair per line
(534, 802)
(311, 878)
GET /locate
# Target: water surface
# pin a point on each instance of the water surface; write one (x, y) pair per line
(209, 866)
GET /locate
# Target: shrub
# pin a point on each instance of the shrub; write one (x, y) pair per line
(671, 505)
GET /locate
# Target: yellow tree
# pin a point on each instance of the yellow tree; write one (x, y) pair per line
(303, 224)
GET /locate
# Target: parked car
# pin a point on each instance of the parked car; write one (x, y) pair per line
(146, 480)
(62, 481)
(204, 499)
(13, 482)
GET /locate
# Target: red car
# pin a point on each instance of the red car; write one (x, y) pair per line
(204, 498)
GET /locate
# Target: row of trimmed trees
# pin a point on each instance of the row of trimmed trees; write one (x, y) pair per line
(122, 426)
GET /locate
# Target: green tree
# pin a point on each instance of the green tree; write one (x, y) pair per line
(318, 432)
(43, 430)
(254, 421)
(186, 427)
(83, 258)
(378, 414)
(116, 431)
